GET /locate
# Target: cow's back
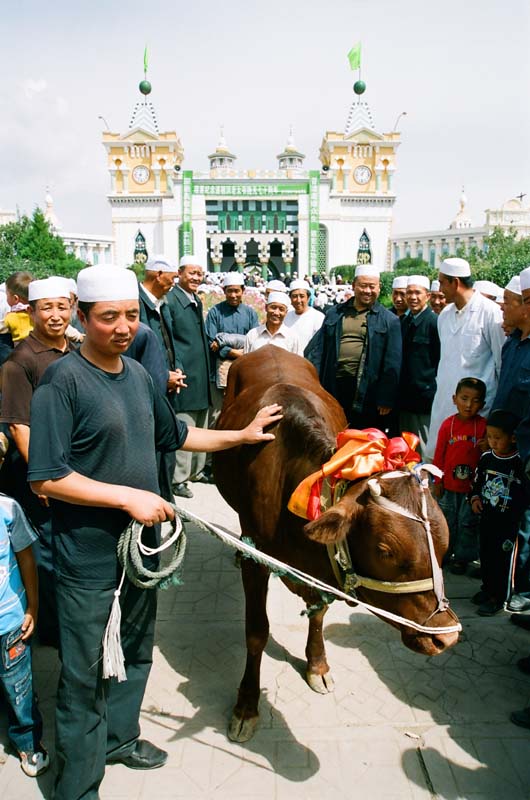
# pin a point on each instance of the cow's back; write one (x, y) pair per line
(258, 480)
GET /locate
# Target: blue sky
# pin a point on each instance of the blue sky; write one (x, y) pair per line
(461, 70)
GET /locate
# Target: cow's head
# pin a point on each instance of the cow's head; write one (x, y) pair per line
(390, 547)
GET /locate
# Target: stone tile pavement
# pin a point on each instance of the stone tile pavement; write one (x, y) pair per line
(398, 726)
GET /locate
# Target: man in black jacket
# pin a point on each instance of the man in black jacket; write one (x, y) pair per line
(421, 354)
(357, 354)
(190, 338)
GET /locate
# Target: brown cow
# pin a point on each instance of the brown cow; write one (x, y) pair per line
(258, 480)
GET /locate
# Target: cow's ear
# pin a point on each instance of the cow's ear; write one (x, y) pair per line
(332, 526)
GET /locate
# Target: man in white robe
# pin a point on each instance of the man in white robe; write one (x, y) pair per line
(471, 340)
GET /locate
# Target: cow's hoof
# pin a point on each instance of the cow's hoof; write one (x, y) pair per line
(323, 684)
(241, 730)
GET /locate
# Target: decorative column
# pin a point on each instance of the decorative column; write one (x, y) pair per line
(112, 180)
(380, 168)
(156, 173)
(169, 179)
(125, 178)
(389, 175)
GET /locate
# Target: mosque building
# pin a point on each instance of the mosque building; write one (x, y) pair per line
(283, 220)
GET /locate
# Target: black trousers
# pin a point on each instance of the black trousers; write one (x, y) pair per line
(497, 550)
(94, 717)
(368, 417)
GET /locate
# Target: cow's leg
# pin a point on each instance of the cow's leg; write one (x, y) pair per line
(318, 674)
(245, 714)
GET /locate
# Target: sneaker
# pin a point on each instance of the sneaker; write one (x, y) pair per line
(182, 490)
(490, 608)
(519, 603)
(34, 763)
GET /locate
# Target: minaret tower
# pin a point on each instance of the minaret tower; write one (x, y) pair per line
(222, 161)
(291, 160)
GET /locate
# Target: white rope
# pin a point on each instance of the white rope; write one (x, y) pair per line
(310, 580)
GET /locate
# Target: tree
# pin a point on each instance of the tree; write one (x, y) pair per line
(29, 244)
(504, 256)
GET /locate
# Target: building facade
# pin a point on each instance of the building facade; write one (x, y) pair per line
(434, 246)
(283, 220)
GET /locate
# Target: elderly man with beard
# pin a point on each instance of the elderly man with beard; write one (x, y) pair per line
(191, 405)
(302, 319)
(357, 354)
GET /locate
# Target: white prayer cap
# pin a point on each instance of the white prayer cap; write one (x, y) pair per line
(106, 282)
(160, 264)
(400, 282)
(455, 268)
(366, 270)
(487, 287)
(189, 261)
(49, 287)
(73, 285)
(525, 279)
(279, 297)
(299, 284)
(419, 280)
(435, 286)
(276, 286)
(514, 285)
(234, 279)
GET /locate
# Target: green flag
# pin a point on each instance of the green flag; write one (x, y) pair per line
(354, 56)
(145, 59)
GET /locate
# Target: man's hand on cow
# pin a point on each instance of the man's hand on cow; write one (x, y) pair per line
(383, 410)
(254, 432)
(236, 353)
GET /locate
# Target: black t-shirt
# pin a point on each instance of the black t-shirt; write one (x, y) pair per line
(106, 427)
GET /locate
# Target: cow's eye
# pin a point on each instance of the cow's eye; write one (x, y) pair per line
(384, 550)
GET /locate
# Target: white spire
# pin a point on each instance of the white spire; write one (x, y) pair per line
(461, 220)
(49, 213)
(360, 116)
(144, 117)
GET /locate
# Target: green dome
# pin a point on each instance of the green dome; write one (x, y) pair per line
(145, 87)
(359, 87)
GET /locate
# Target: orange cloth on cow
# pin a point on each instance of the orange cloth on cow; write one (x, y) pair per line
(358, 454)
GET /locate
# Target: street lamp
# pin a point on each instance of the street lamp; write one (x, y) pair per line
(403, 114)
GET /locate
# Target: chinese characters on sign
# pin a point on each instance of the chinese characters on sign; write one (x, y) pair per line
(314, 189)
(187, 190)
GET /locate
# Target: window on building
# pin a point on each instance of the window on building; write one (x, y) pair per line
(364, 252)
(322, 250)
(432, 255)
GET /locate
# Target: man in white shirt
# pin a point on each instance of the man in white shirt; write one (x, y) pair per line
(471, 340)
(302, 319)
(274, 331)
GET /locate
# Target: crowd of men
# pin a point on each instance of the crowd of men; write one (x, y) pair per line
(96, 439)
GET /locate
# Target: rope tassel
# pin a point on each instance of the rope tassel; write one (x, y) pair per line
(113, 658)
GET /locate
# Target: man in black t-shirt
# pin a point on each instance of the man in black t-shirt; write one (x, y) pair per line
(97, 423)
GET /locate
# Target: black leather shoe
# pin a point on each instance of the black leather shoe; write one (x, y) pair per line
(144, 756)
(518, 603)
(182, 490)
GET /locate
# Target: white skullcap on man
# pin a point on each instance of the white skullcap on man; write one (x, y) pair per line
(487, 287)
(48, 288)
(435, 286)
(455, 268)
(189, 261)
(279, 297)
(514, 285)
(160, 264)
(524, 277)
(400, 282)
(276, 286)
(234, 279)
(299, 284)
(73, 285)
(366, 271)
(419, 280)
(105, 282)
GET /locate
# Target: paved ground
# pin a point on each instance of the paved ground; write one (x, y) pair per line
(398, 725)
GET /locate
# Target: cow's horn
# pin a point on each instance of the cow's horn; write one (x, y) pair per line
(375, 487)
